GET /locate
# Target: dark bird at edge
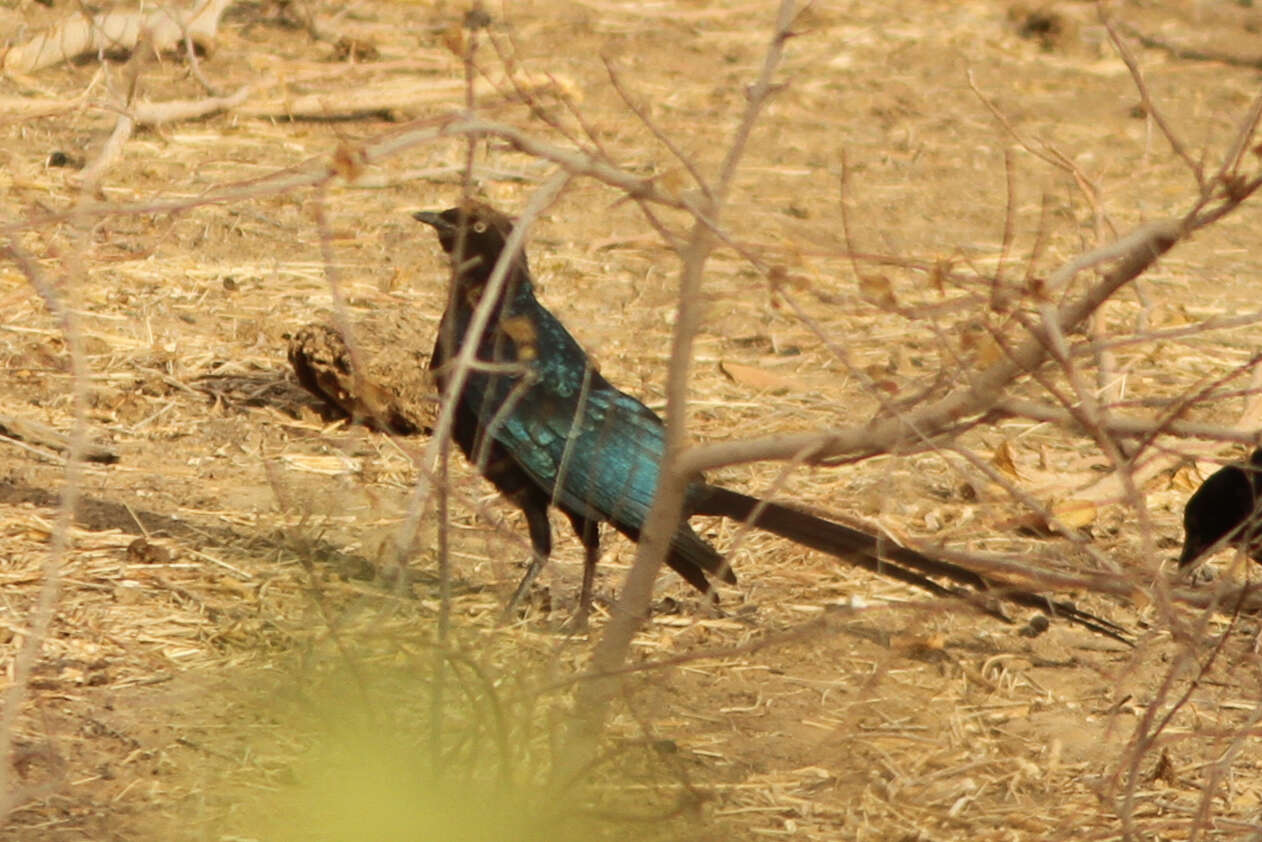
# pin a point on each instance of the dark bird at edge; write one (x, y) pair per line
(1225, 507)
(542, 424)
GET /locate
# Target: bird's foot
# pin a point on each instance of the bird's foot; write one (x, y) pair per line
(577, 624)
(518, 607)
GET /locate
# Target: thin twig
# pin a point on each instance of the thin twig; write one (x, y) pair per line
(1150, 107)
(1138, 251)
(640, 112)
(42, 615)
(462, 361)
(594, 697)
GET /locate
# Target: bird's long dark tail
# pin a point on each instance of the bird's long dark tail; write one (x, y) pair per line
(884, 557)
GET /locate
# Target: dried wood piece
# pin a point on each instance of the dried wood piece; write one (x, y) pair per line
(165, 28)
(394, 393)
(36, 433)
(175, 110)
(402, 97)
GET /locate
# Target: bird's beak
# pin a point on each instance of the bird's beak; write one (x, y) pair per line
(435, 220)
(1189, 555)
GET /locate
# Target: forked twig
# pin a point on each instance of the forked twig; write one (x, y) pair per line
(1150, 107)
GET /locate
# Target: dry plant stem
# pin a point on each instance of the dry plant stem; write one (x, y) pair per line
(671, 240)
(1240, 145)
(443, 630)
(838, 351)
(1146, 432)
(575, 162)
(1188, 53)
(317, 170)
(342, 321)
(1221, 769)
(369, 98)
(1149, 728)
(1108, 380)
(1253, 397)
(1085, 412)
(17, 108)
(157, 113)
(38, 452)
(1009, 226)
(887, 405)
(1003, 571)
(1225, 322)
(1248, 597)
(195, 67)
(661, 136)
(1198, 172)
(442, 510)
(330, 623)
(1135, 253)
(832, 621)
(89, 177)
(488, 693)
(512, 69)
(1093, 420)
(593, 137)
(594, 697)
(1120, 425)
(1040, 242)
(463, 360)
(1017, 493)
(1048, 155)
(41, 617)
(1214, 390)
(341, 316)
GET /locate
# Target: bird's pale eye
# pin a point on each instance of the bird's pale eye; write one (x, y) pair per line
(479, 227)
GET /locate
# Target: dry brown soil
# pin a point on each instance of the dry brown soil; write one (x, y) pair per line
(248, 671)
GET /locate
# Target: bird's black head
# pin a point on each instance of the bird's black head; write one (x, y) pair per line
(485, 230)
(1223, 502)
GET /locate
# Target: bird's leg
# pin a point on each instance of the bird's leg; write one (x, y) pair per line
(541, 549)
(537, 563)
(589, 533)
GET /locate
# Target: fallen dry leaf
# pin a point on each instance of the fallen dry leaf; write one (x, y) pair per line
(1075, 513)
(876, 289)
(759, 378)
(1003, 460)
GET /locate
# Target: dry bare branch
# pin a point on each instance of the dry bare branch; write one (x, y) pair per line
(1135, 253)
(1151, 107)
(173, 111)
(41, 616)
(1185, 53)
(593, 700)
(90, 176)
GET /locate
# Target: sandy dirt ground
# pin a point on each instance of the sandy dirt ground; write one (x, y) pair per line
(230, 654)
